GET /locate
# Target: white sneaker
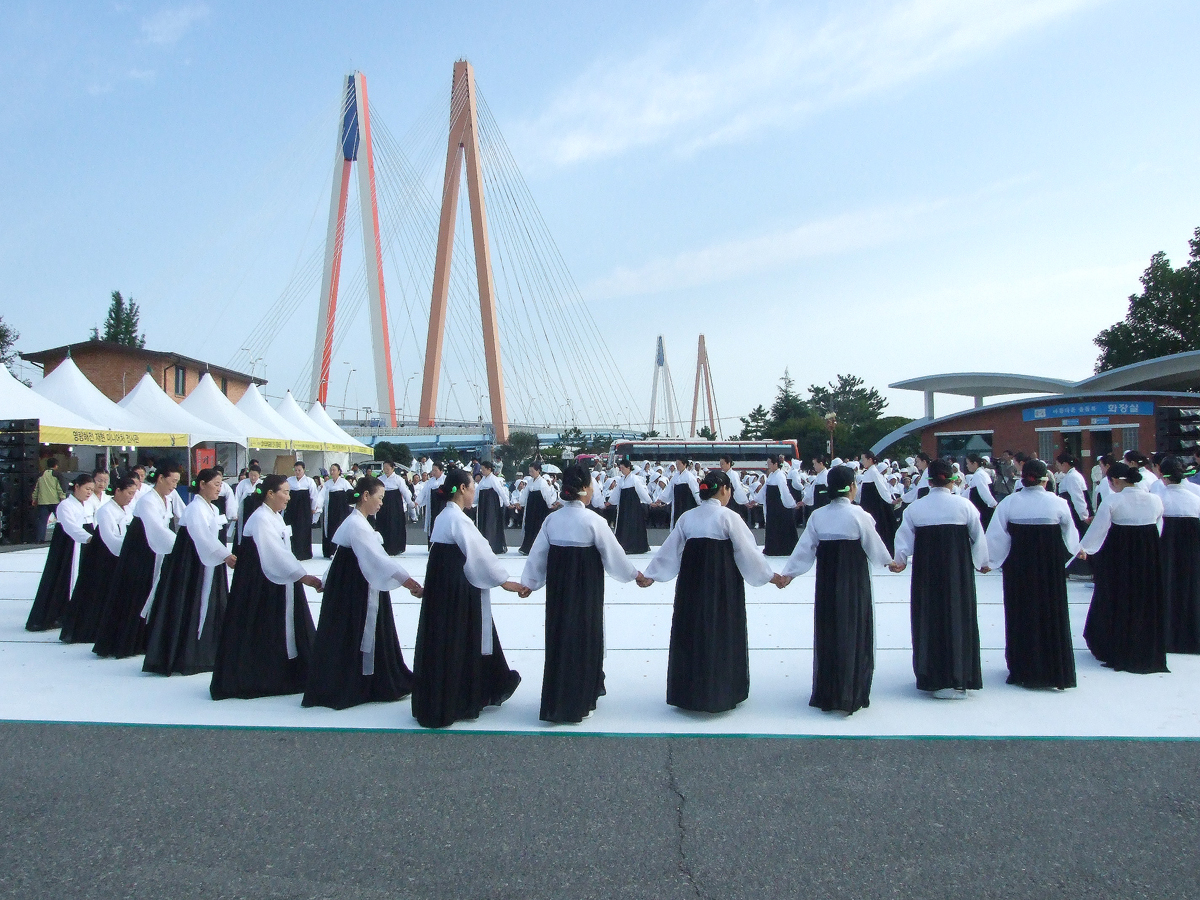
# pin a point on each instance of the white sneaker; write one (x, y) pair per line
(949, 694)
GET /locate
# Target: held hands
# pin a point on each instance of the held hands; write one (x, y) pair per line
(985, 570)
(781, 581)
(1082, 554)
(895, 566)
(414, 588)
(231, 560)
(643, 581)
(515, 587)
(313, 582)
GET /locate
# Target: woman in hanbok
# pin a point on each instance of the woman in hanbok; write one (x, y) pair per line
(267, 636)
(1073, 488)
(389, 521)
(1127, 620)
(61, 570)
(779, 510)
(458, 665)
(683, 491)
(184, 616)
(739, 500)
(711, 553)
(632, 502)
(144, 561)
(1031, 535)
(875, 496)
(247, 497)
(298, 514)
(491, 501)
(81, 619)
(335, 504)
(840, 538)
(537, 499)
(570, 558)
(1180, 553)
(978, 484)
(429, 498)
(356, 655)
(942, 535)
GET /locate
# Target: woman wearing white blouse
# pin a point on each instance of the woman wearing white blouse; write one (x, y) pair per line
(389, 521)
(1030, 535)
(266, 638)
(711, 553)
(458, 665)
(144, 557)
(62, 560)
(840, 538)
(632, 500)
(779, 510)
(97, 564)
(1126, 622)
(356, 654)
(491, 500)
(570, 558)
(1180, 545)
(335, 504)
(183, 619)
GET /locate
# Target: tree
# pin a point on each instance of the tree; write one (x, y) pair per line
(8, 337)
(520, 447)
(788, 404)
(450, 455)
(397, 453)
(755, 424)
(122, 323)
(1163, 319)
(853, 404)
(707, 433)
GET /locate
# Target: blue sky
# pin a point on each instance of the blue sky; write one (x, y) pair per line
(886, 189)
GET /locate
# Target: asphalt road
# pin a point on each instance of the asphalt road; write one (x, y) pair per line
(106, 811)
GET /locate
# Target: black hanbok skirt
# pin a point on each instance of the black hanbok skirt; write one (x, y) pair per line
(389, 522)
(573, 679)
(741, 509)
(1079, 567)
(54, 589)
(436, 504)
(535, 515)
(452, 679)
(631, 522)
(81, 618)
(843, 628)
(708, 665)
(335, 675)
(881, 511)
(820, 496)
(945, 626)
(683, 500)
(1180, 546)
(337, 507)
(177, 642)
(252, 655)
(122, 630)
(1037, 622)
(1127, 621)
(780, 525)
(298, 515)
(985, 511)
(252, 501)
(489, 519)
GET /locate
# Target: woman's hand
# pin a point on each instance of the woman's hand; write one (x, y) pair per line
(1082, 554)
(781, 581)
(414, 587)
(231, 560)
(897, 567)
(513, 587)
(313, 582)
(643, 581)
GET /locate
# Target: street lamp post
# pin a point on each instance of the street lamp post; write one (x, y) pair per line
(830, 423)
(347, 388)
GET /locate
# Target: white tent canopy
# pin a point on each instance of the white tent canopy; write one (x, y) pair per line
(290, 410)
(70, 388)
(208, 403)
(322, 418)
(148, 401)
(18, 401)
(258, 409)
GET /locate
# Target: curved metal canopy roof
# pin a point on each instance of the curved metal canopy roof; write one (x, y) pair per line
(985, 384)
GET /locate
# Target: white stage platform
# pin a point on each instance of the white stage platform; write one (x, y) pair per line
(44, 680)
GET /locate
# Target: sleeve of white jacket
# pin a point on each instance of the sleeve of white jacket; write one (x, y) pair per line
(804, 554)
(211, 551)
(482, 568)
(383, 573)
(998, 539)
(70, 514)
(612, 554)
(533, 575)
(108, 526)
(872, 543)
(1069, 532)
(640, 486)
(275, 556)
(979, 547)
(1093, 540)
(160, 538)
(665, 564)
(750, 560)
(905, 539)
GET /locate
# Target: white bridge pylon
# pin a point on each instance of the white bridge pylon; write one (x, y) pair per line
(354, 137)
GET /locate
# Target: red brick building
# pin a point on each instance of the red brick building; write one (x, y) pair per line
(115, 369)
(1112, 412)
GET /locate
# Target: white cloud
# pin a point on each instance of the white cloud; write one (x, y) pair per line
(730, 72)
(167, 26)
